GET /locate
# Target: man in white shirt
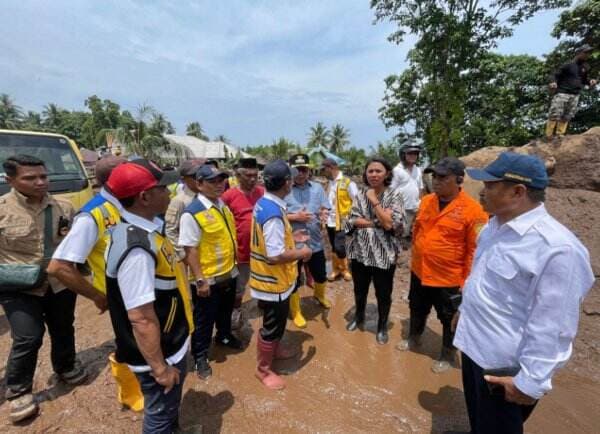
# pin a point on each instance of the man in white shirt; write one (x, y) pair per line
(521, 302)
(147, 297)
(409, 155)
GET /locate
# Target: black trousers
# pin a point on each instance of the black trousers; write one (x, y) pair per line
(317, 266)
(331, 233)
(211, 311)
(275, 315)
(28, 315)
(421, 298)
(383, 280)
(490, 414)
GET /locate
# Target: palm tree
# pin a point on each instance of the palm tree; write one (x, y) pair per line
(10, 113)
(281, 148)
(143, 112)
(194, 129)
(339, 138)
(221, 138)
(52, 116)
(32, 121)
(355, 159)
(160, 125)
(319, 136)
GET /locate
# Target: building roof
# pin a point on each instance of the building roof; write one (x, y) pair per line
(209, 150)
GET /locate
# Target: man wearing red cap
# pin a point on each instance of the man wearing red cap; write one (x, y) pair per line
(147, 294)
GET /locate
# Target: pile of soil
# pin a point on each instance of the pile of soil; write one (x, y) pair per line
(341, 381)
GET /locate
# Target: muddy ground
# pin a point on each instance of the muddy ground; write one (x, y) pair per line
(341, 382)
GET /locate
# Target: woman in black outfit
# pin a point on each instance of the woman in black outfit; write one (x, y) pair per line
(375, 227)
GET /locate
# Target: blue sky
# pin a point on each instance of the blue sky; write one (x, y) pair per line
(253, 70)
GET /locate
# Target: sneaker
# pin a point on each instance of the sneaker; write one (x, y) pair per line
(236, 319)
(22, 408)
(75, 376)
(230, 342)
(203, 368)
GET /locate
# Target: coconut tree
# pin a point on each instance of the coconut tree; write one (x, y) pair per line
(318, 136)
(10, 113)
(339, 138)
(52, 116)
(221, 138)
(355, 159)
(194, 129)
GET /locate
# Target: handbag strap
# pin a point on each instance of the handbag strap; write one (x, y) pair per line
(48, 248)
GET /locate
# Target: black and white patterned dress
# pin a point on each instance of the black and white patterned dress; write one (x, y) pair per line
(375, 247)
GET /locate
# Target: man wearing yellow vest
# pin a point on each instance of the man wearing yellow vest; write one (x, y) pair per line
(147, 293)
(207, 233)
(86, 243)
(341, 192)
(274, 268)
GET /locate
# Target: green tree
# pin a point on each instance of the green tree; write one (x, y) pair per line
(576, 27)
(32, 121)
(281, 148)
(10, 113)
(387, 150)
(453, 37)
(338, 138)
(195, 129)
(159, 125)
(319, 136)
(221, 138)
(355, 160)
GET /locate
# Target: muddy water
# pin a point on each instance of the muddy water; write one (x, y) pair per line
(340, 382)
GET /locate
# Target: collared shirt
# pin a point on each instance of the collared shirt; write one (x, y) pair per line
(173, 216)
(309, 197)
(22, 226)
(406, 184)
(332, 196)
(83, 235)
(274, 233)
(190, 233)
(521, 301)
(136, 280)
(241, 205)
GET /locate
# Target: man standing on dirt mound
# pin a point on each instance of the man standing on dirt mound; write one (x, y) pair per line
(341, 192)
(307, 205)
(444, 239)
(520, 310)
(568, 82)
(274, 268)
(146, 290)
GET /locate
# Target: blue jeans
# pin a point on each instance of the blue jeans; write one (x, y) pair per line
(161, 411)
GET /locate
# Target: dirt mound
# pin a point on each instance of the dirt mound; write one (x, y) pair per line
(574, 162)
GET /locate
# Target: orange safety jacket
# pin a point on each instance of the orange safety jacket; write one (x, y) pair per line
(444, 242)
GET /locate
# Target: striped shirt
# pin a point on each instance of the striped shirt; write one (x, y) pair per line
(375, 246)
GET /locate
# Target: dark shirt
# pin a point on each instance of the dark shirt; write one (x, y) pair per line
(572, 77)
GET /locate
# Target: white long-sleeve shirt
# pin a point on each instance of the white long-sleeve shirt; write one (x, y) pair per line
(522, 299)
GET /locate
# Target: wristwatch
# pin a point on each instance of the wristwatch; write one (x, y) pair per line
(200, 282)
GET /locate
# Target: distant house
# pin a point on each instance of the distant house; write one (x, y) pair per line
(210, 150)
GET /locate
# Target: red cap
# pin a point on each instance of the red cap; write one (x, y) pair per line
(130, 179)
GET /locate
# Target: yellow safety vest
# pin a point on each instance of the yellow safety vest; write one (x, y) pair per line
(343, 203)
(218, 246)
(233, 181)
(265, 277)
(106, 215)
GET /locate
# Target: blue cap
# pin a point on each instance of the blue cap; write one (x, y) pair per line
(276, 173)
(528, 170)
(208, 172)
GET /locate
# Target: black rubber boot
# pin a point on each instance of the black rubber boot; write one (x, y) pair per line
(382, 333)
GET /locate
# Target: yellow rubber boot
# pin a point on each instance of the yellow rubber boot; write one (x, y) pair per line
(561, 128)
(335, 268)
(550, 126)
(295, 311)
(320, 295)
(129, 392)
(345, 270)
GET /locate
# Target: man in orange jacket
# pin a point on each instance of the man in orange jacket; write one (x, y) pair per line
(444, 240)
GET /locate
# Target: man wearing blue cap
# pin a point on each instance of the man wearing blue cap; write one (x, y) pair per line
(520, 307)
(274, 268)
(209, 238)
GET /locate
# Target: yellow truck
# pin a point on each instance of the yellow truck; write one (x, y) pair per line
(66, 173)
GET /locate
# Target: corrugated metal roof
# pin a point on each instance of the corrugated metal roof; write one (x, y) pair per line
(203, 149)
